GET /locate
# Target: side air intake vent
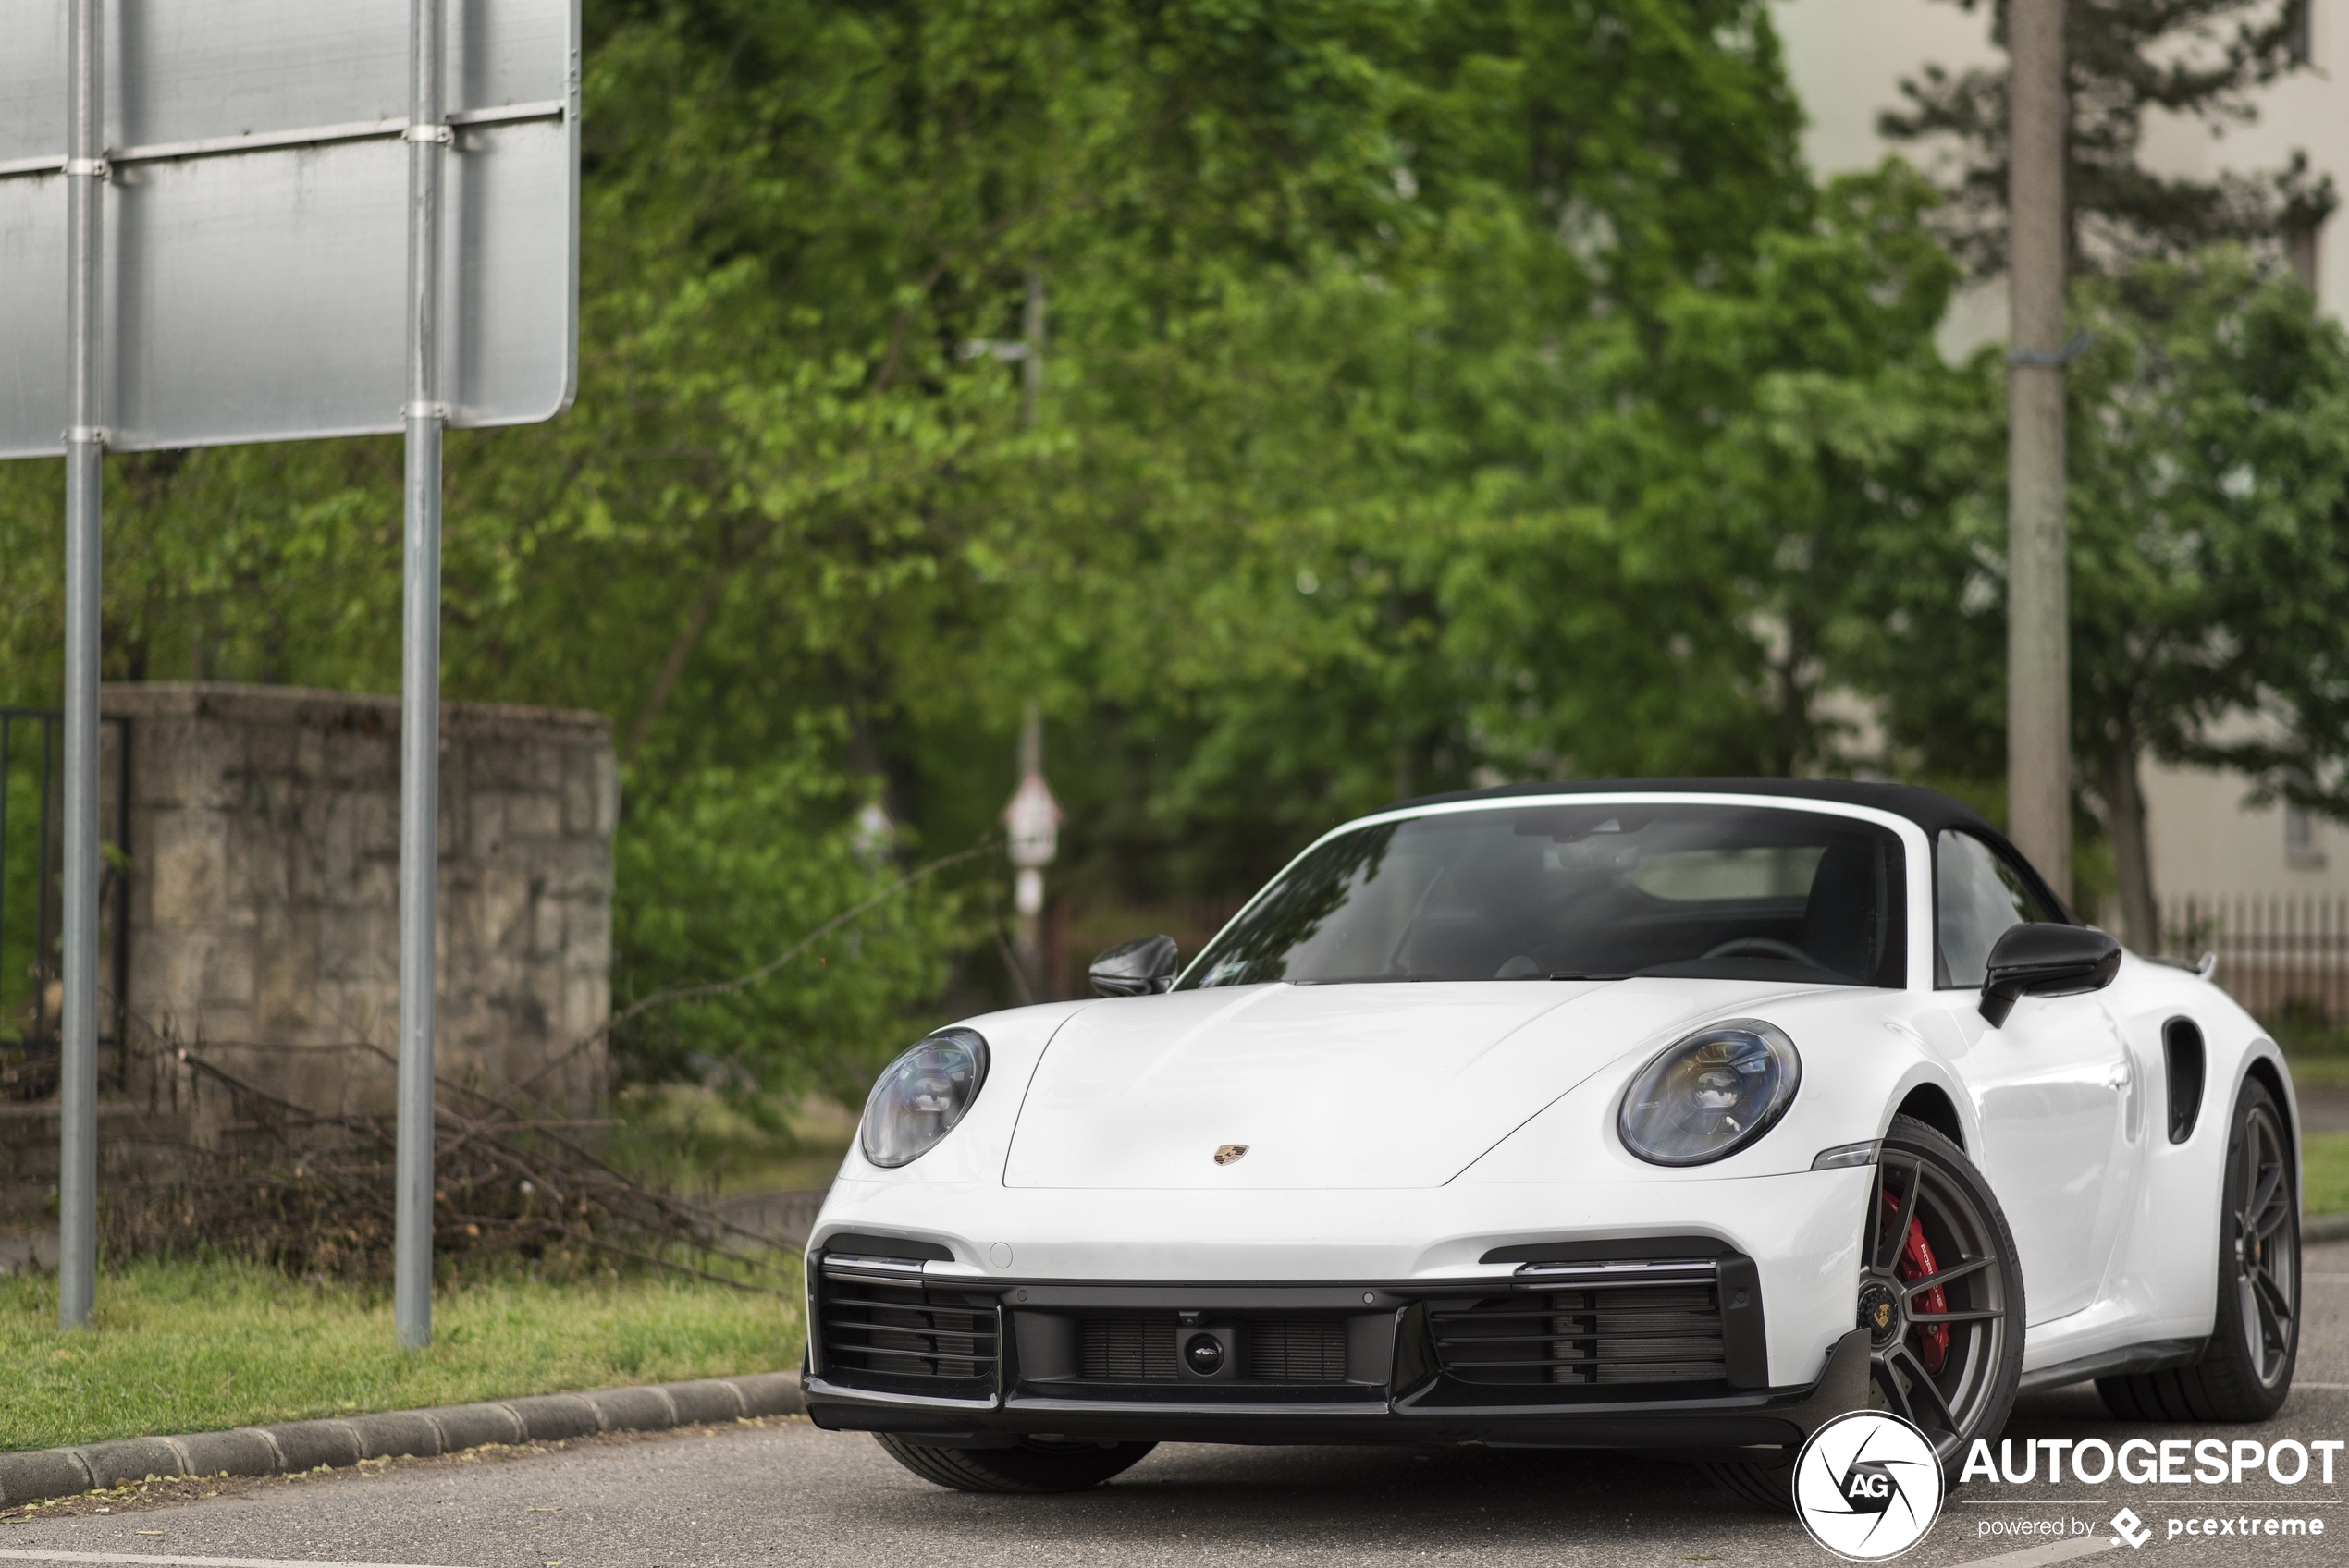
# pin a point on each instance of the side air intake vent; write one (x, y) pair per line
(883, 1329)
(1626, 1326)
(2181, 1056)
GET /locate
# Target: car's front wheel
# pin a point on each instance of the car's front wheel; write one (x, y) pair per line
(1942, 1298)
(2246, 1369)
(1033, 1465)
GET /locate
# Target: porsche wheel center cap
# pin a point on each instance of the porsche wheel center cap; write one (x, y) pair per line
(1879, 1311)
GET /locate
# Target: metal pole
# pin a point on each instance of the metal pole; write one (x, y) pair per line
(119, 975)
(85, 442)
(43, 872)
(419, 691)
(2038, 625)
(1027, 901)
(1031, 333)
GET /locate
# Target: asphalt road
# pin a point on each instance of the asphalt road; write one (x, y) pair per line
(787, 1493)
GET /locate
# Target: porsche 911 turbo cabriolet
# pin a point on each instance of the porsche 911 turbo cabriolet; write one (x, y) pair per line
(1678, 1116)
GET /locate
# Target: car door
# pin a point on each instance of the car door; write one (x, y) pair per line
(2053, 1086)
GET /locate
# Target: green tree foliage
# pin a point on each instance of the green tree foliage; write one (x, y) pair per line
(2213, 475)
(2209, 526)
(725, 869)
(1432, 393)
(2174, 641)
(2199, 59)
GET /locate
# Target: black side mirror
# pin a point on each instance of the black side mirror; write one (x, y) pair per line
(1139, 968)
(2046, 960)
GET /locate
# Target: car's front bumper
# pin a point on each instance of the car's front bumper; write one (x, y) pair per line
(1801, 1230)
(1716, 1426)
(1648, 1341)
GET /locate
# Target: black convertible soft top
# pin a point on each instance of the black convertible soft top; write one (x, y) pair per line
(1929, 808)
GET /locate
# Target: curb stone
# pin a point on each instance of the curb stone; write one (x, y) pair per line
(2325, 1228)
(291, 1447)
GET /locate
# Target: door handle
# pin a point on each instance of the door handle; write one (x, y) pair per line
(2118, 1078)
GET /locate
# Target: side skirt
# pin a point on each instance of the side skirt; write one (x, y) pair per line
(2154, 1355)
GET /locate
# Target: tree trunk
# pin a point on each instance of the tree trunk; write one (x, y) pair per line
(2125, 809)
(697, 618)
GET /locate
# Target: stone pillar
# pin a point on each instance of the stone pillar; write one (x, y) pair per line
(264, 854)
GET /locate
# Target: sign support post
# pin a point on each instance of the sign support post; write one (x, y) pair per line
(243, 281)
(427, 138)
(85, 171)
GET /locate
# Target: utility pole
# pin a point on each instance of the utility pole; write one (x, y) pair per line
(2038, 614)
(1032, 337)
(1032, 820)
(1027, 349)
(1031, 823)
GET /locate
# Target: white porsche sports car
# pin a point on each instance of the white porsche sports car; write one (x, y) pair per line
(1678, 1116)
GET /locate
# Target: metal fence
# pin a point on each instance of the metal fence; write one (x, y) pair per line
(2281, 956)
(31, 898)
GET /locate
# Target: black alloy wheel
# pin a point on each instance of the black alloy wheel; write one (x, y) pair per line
(2246, 1369)
(1031, 1464)
(1949, 1366)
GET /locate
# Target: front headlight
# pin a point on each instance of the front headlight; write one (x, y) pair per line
(921, 1096)
(1710, 1095)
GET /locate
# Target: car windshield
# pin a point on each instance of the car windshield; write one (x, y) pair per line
(1580, 891)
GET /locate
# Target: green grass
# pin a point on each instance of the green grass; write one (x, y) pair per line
(2324, 1174)
(688, 1141)
(190, 1347)
(2320, 1059)
(2319, 1054)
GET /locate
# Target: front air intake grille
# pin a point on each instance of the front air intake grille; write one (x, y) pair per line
(1141, 1349)
(1627, 1336)
(1293, 1350)
(900, 1334)
(1126, 1350)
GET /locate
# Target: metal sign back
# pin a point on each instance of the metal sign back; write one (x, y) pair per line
(256, 221)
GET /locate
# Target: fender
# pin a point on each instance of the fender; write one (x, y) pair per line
(1861, 1057)
(1017, 1041)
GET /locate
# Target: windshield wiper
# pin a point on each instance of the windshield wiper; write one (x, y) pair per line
(1583, 974)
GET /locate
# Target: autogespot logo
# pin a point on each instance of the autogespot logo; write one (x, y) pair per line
(1867, 1486)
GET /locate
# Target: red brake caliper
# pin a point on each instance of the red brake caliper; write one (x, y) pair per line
(1916, 1263)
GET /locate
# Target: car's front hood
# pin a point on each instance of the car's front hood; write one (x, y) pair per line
(1376, 1085)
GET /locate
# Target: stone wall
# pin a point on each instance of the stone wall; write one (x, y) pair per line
(135, 1141)
(264, 851)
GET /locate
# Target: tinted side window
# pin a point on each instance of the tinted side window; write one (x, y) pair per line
(1979, 893)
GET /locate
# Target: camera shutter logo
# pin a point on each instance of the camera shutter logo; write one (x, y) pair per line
(1867, 1486)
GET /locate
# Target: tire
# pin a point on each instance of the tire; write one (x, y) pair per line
(2246, 1370)
(1034, 1465)
(1769, 1488)
(1963, 1387)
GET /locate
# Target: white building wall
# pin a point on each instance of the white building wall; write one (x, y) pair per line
(1847, 59)
(2208, 842)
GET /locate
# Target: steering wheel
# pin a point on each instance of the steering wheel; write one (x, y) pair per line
(1764, 946)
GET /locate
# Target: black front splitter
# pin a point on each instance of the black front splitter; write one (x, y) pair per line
(1771, 1418)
